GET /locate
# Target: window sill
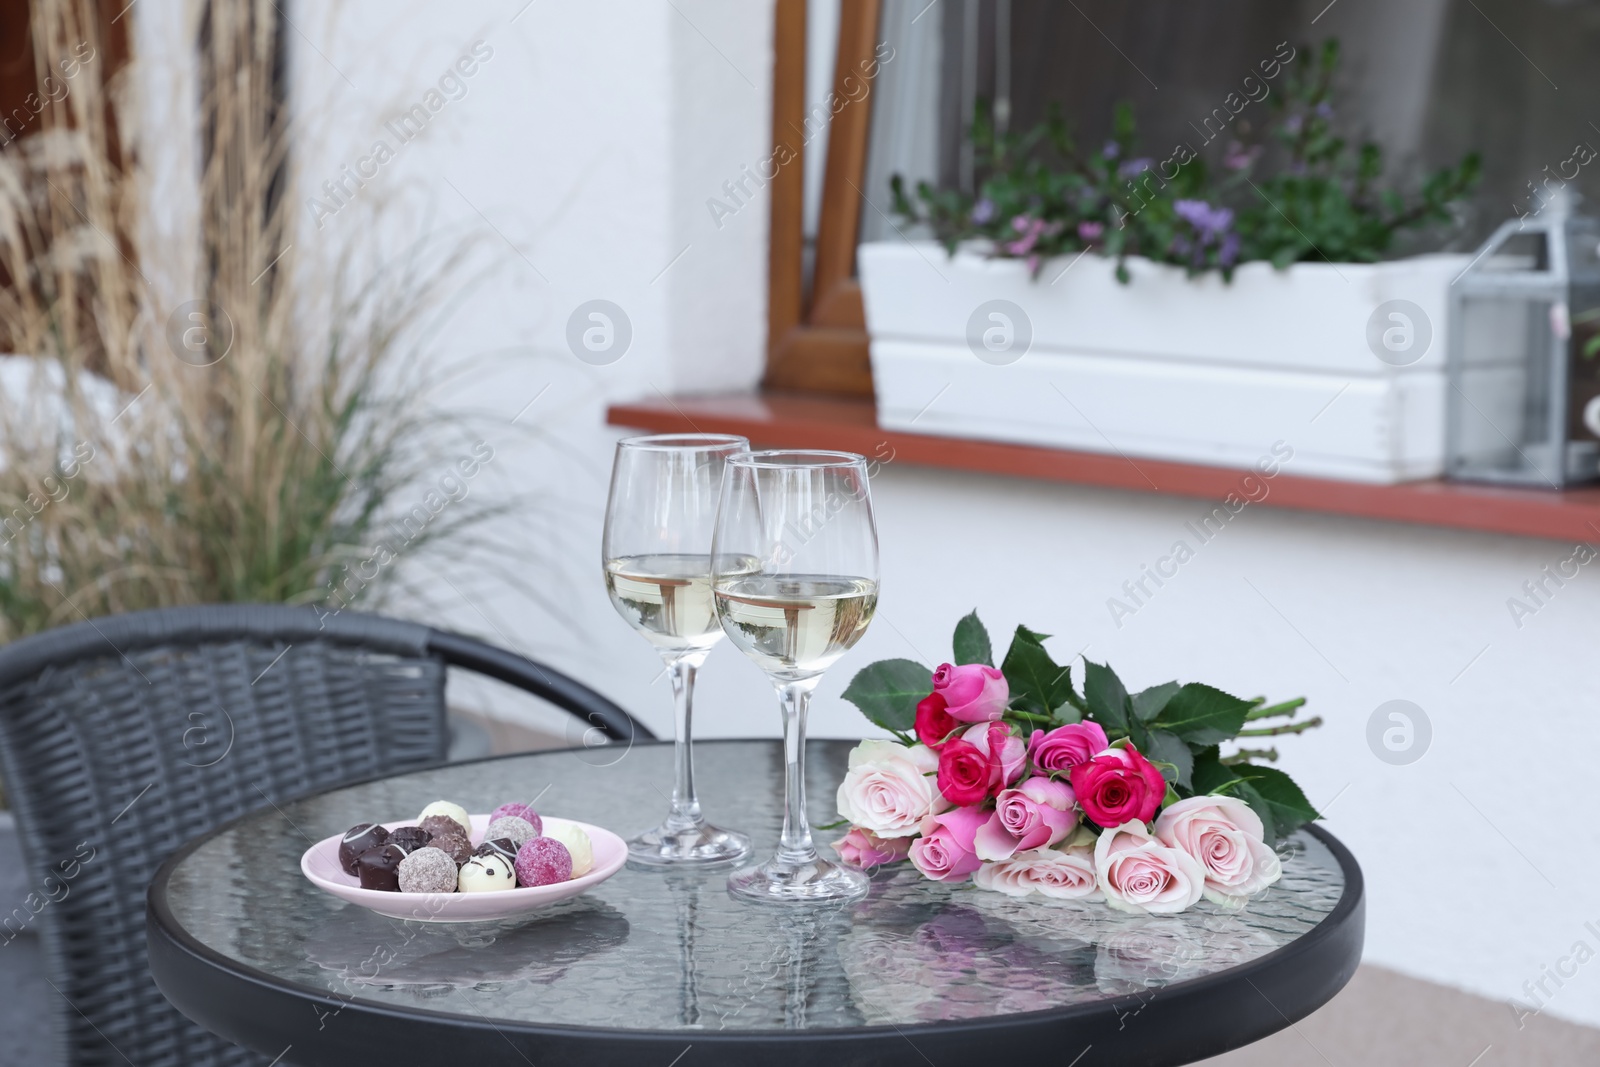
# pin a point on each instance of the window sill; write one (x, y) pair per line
(779, 420)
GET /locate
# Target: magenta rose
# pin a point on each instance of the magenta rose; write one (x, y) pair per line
(944, 851)
(1138, 873)
(972, 692)
(1007, 752)
(865, 849)
(1065, 747)
(1227, 838)
(965, 773)
(934, 723)
(1119, 786)
(1036, 814)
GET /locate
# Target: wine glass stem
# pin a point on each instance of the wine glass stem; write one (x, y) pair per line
(795, 845)
(685, 805)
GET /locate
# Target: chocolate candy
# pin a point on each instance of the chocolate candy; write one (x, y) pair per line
(356, 840)
(483, 874)
(454, 812)
(409, 838)
(427, 870)
(501, 847)
(456, 846)
(521, 811)
(543, 861)
(516, 830)
(578, 845)
(442, 825)
(377, 868)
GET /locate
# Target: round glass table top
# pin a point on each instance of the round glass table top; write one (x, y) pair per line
(653, 951)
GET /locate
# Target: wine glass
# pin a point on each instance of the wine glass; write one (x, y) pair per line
(794, 571)
(657, 558)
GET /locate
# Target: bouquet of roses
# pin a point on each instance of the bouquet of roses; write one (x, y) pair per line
(1011, 777)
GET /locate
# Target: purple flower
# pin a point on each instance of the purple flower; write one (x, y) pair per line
(1112, 150)
(1228, 254)
(1091, 232)
(1325, 110)
(983, 211)
(1135, 167)
(1030, 230)
(1209, 221)
(1294, 122)
(1238, 157)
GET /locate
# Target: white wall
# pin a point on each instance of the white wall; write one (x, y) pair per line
(591, 141)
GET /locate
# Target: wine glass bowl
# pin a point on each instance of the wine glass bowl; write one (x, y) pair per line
(656, 560)
(794, 579)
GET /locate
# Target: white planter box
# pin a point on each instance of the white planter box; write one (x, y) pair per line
(1166, 367)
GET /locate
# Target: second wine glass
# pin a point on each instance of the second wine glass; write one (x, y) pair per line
(657, 559)
(795, 576)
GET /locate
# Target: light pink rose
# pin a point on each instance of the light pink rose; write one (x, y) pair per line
(1036, 814)
(944, 851)
(1065, 747)
(1049, 872)
(972, 692)
(887, 788)
(1007, 753)
(1226, 837)
(1137, 873)
(865, 849)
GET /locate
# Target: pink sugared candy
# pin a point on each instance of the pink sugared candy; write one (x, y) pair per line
(521, 811)
(543, 861)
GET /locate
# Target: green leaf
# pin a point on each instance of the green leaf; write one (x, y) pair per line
(1148, 703)
(887, 692)
(1210, 772)
(1067, 714)
(1286, 806)
(1169, 749)
(1106, 696)
(1202, 715)
(1037, 682)
(972, 642)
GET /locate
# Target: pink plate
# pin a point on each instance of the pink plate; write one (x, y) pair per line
(320, 863)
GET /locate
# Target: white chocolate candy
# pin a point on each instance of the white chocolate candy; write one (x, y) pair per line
(485, 873)
(577, 842)
(454, 812)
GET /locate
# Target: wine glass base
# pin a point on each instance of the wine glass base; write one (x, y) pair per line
(700, 845)
(814, 881)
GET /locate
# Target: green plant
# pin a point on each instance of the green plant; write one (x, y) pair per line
(259, 443)
(1305, 193)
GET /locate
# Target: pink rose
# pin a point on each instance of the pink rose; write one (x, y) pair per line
(1119, 786)
(965, 773)
(1007, 752)
(887, 789)
(934, 724)
(944, 851)
(1036, 814)
(1065, 747)
(865, 849)
(1137, 873)
(1226, 837)
(972, 692)
(1063, 875)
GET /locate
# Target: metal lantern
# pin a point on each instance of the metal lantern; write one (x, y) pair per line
(1524, 397)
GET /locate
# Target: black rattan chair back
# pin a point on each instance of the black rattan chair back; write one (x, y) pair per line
(124, 737)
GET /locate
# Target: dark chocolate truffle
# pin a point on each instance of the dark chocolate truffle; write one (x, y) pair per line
(356, 840)
(439, 825)
(377, 868)
(409, 838)
(455, 845)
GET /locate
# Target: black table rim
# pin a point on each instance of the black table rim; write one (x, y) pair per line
(1180, 1023)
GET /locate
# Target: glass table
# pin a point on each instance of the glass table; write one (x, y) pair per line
(659, 969)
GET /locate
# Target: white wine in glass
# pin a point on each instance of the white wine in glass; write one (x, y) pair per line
(794, 578)
(656, 558)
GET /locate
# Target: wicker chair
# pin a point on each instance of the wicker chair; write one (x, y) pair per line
(123, 737)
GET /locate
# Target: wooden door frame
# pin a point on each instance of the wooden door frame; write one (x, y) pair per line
(820, 344)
